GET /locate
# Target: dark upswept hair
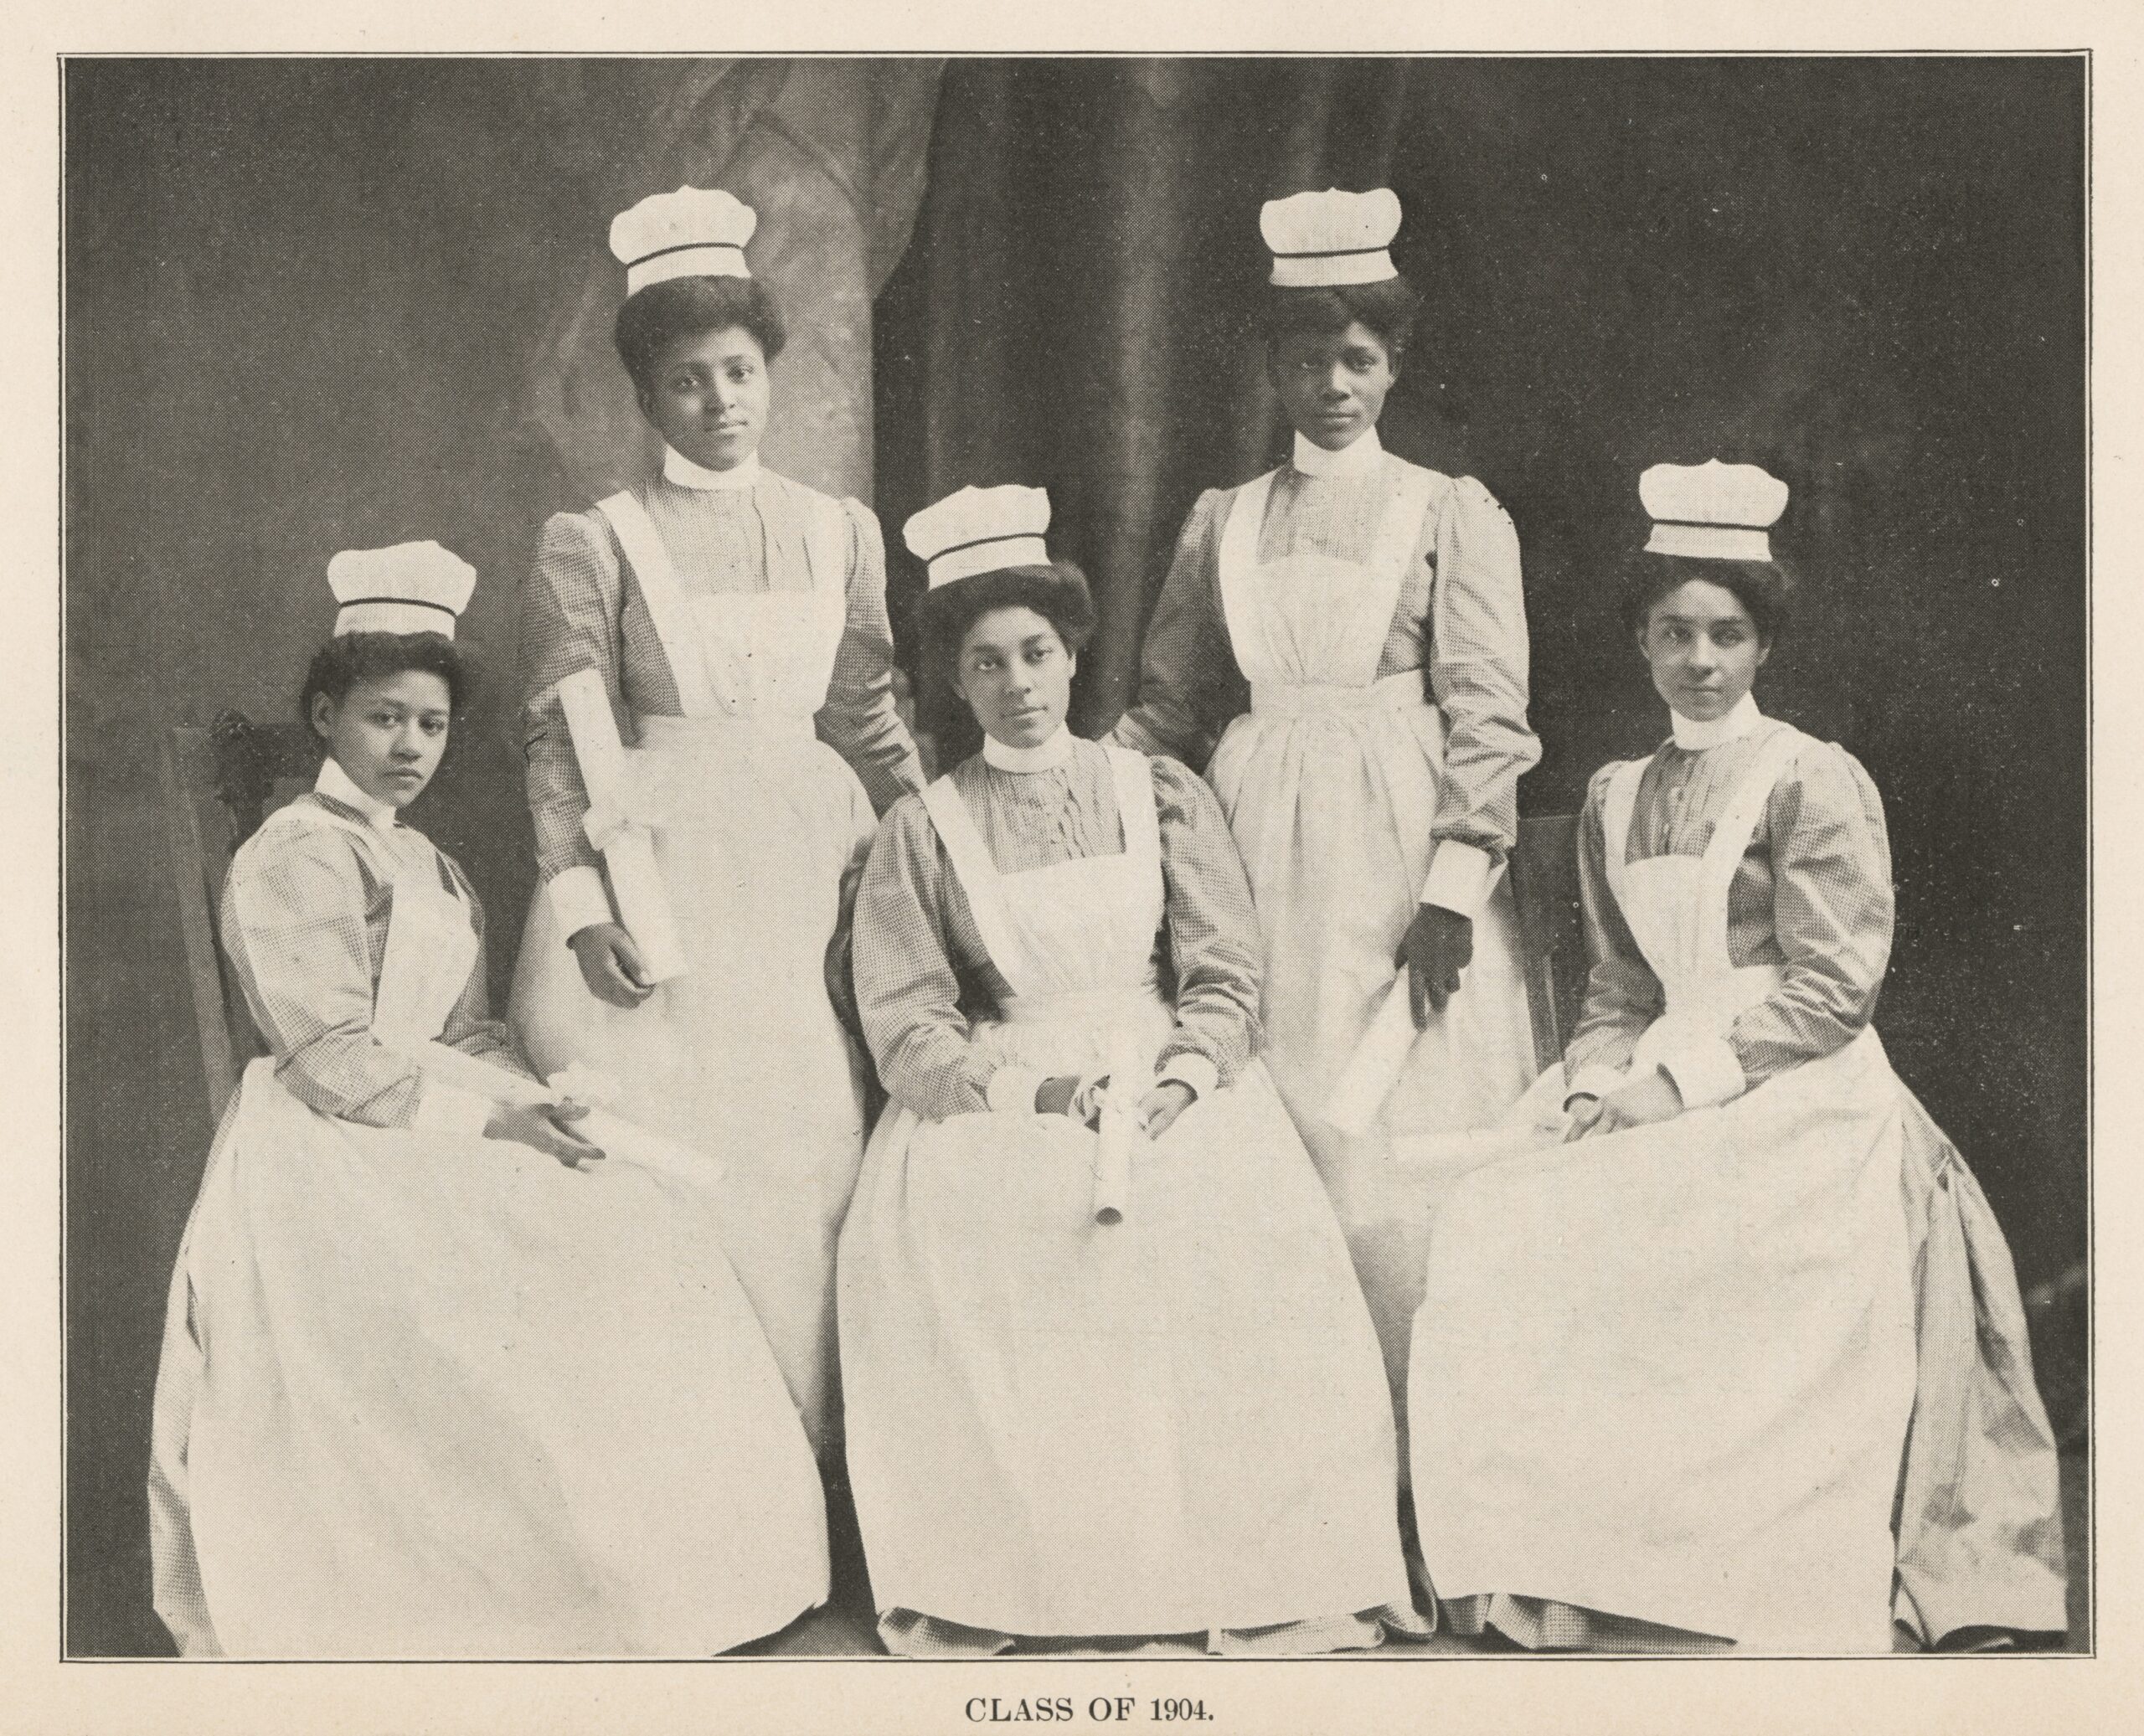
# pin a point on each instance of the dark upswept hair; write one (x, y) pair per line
(1057, 592)
(677, 307)
(1387, 308)
(1765, 588)
(349, 659)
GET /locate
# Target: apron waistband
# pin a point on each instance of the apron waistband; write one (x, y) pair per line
(1403, 691)
(660, 732)
(1085, 1006)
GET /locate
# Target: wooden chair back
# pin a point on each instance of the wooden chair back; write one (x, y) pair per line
(1551, 929)
(220, 782)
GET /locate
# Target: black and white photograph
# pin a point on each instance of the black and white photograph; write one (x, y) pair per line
(1151, 861)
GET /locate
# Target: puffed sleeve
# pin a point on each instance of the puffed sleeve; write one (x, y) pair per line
(469, 1026)
(1189, 686)
(1478, 660)
(294, 926)
(1832, 911)
(1622, 995)
(908, 994)
(569, 621)
(859, 720)
(1212, 936)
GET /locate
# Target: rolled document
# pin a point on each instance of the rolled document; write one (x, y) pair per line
(613, 1135)
(627, 846)
(1374, 1069)
(1129, 1074)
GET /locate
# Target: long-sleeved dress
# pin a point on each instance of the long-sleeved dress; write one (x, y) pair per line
(1059, 1430)
(1342, 644)
(742, 636)
(428, 1394)
(1692, 1430)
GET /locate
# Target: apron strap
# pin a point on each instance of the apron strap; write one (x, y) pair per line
(1618, 802)
(1398, 531)
(979, 878)
(1235, 560)
(1737, 825)
(653, 570)
(825, 544)
(1137, 808)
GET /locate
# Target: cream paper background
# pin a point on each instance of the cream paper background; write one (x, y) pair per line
(38, 1693)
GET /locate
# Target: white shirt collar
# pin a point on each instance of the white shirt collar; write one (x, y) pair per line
(677, 468)
(338, 785)
(1047, 756)
(1730, 726)
(1360, 455)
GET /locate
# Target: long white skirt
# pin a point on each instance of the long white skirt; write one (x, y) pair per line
(1666, 1374)
(742, 1056)
(427, 1397)
(1332, 813)
(1172, 1423)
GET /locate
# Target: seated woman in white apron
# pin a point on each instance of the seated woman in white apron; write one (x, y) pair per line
(1344, 640)
(1087, 1406)
(1666, 1367)
(738, 622)
(441, 1377)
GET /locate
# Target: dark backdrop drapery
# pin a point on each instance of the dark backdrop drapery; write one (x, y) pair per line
(1866, 275)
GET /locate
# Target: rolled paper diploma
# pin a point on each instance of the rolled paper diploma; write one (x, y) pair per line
(627, 846)
(1129, 1074)
(1374, 1069)
(613, 1135)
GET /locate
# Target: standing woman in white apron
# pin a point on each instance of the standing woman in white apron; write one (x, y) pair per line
(1350, 631)
(441, 1378)
(1086, 1406)
(738, 621)
(1666, 1365)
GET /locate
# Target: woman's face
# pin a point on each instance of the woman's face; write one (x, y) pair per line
(1332, 384)
(1703, 649)
(387, 734)
(1016, 676)
(708, 396)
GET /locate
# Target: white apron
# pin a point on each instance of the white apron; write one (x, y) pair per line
(756, 823)
(431, 1396)
(1330, 782)
(1666, 1374)
(1171, 1423)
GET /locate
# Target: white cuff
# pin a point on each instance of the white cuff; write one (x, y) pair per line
(1193, 1069)
(450, 1111)
(578, 899)
(1706, 1072)
(1595, 1080)
(1012, 1090)
(1459, 877)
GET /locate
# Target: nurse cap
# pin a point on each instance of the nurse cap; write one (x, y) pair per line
(980, 530)
(694, 232)
(411, 588)
(1711, 511)
(1318, 240)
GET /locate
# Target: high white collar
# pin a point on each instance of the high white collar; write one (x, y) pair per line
(677, 468)
(1046, 756)
(1361, 455)
(1729, 726)
(338, 786)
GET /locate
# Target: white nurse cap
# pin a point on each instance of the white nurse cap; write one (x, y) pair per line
(980, 530)
(1711, 511)
(1322, 238)
(411, 588)
(694, 232)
